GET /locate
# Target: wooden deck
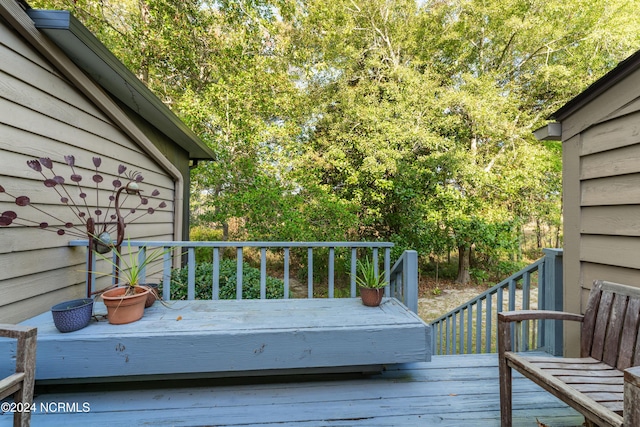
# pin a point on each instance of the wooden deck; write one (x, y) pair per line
(196, 339)
(451, 391)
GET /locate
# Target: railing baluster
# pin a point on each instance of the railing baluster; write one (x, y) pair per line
(454, 335)
(263, 273)
(239, 272)
(142, 255)
(191, 281)
(166, 276)
(488, 317)
(387, 271)
(332, 256)
(375, 261)
(526, 305)
(469, 328)
(448, 332)
(461, 334)
(310, 273)
(286, 273)
(512, 295)
(215, 286)
(479, 327)
(352, 279)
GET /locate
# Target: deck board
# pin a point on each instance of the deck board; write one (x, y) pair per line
(450, 391)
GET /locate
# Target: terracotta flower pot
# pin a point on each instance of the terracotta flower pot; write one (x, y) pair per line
(371, 297)
(123, 309)
(153, 294)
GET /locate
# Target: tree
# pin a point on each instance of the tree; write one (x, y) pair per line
(398, 120)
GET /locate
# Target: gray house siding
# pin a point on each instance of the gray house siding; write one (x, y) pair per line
(50, 108)
(601, 184)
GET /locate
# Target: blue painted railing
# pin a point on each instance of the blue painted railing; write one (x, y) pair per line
(471, 327)
(402, 277)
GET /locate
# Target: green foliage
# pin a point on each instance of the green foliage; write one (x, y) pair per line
(367, 276)
(201, 233)
(129, 267)
(228, 282)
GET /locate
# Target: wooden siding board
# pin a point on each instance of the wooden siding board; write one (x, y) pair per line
(622, 161)
(618, 190)
(58, 99)
(611, 135)
(17, 264)
(15, 313)
(611, 250)
(592, 271)
(611, 220)
(12, 43)
(616, 97)
(632, 107)
(234, 336)
(113, 146)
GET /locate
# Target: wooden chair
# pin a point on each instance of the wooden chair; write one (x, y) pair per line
(21, 384)
(594, 384)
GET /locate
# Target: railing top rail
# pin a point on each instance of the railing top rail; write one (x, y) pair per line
(252, 244)
(503, 284)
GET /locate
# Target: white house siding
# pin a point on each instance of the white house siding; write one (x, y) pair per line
(43, 115)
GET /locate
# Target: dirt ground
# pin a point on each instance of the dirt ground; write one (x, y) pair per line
(434, 301)
(432, 306)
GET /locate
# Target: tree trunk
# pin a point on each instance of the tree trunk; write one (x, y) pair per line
(464, 277)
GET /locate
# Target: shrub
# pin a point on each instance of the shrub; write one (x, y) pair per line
(201, 233)
(228, 280)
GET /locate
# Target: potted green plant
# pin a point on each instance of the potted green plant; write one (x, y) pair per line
(371, 283)
(126, 303)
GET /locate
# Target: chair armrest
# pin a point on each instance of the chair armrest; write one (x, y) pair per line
(17, 331)
(505, 318)
(522, 315)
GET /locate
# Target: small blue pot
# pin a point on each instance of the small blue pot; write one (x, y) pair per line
(72, 315)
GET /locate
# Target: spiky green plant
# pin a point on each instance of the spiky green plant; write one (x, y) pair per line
(367, 277)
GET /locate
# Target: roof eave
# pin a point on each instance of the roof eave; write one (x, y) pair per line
(88, 53)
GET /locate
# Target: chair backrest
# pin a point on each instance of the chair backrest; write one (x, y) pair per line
(610, 328)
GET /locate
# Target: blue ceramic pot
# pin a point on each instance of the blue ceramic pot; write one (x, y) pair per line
(72, 315)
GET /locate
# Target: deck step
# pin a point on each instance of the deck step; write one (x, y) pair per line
(231, 338)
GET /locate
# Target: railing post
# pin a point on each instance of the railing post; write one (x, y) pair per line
(410, 282)
(552, 288)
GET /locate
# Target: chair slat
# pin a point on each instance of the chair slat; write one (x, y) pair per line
(602, 321)
(629, 334)
(588, 326)
(614, 330)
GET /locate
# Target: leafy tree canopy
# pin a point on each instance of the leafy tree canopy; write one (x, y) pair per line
(372, 119)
